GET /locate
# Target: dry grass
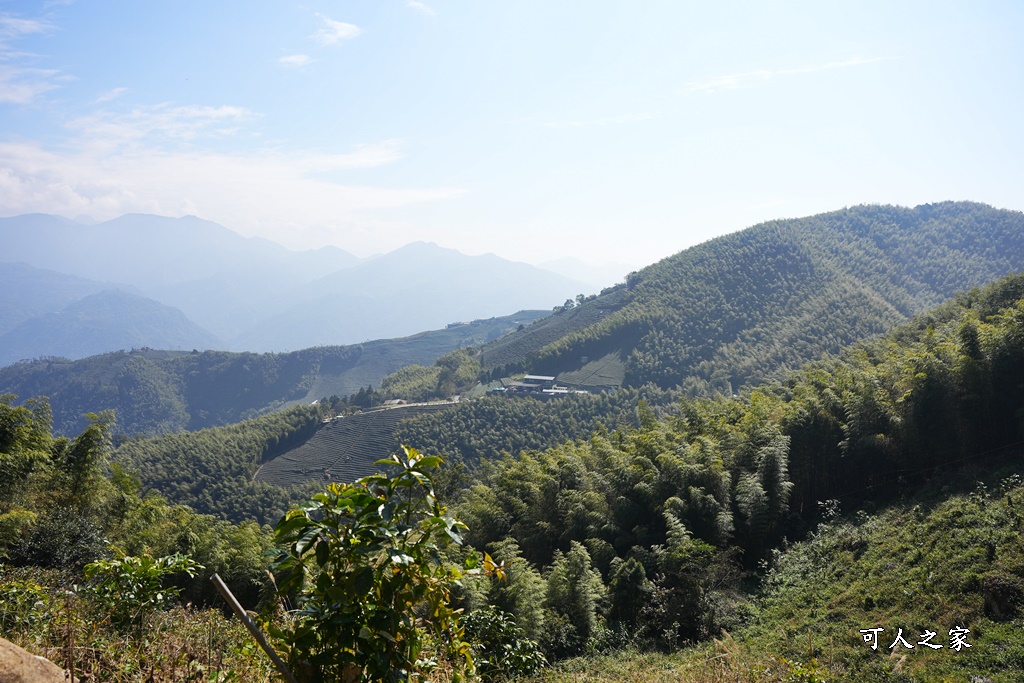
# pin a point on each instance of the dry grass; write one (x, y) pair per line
(179, 645)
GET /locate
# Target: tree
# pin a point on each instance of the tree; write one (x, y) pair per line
(521, 593)
(81, 463)
(630, 592)
(25, 442)
(573, 593)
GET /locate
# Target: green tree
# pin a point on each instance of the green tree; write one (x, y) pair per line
(573, 593)
(521, 592)
(629, 593)
(25, 443)
(81, 463)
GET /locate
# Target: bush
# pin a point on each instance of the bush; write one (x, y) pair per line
(502, 649)
(63, 537)
(363, 563)
(132, 587)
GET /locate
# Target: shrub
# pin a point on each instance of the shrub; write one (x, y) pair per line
(503, 650)
(363, 563)
(132, 587)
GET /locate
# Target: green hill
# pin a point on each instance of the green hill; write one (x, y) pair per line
(933, 565)
(880, 488)
(211, 470)
(751, 305)
(673, 524)
(737, 310)
(154, 392)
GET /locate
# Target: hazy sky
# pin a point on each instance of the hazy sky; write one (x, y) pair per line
(610, 131)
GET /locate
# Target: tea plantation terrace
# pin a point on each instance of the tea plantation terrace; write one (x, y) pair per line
(345, 448)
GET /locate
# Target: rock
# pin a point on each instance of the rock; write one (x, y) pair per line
(20, 666)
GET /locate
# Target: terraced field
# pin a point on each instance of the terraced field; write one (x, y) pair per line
(604, 373)
(343, 449)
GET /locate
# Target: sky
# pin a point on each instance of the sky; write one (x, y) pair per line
(611, 132)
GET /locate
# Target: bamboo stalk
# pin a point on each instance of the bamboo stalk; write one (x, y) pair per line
(253, 629)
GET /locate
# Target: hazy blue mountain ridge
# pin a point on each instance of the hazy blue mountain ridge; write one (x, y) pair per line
(26, 292)
(110, 319)
(420, 286)
(253, 295)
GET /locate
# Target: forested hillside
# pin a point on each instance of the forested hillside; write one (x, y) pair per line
(211, 470)
(488, 427)
(735, 310)
(662, 522)
(751, 305)
(154, 392)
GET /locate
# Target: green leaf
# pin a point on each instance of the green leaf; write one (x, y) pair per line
(362, 582)
(399, 557)
(430, 461)
(290, 524)
(307, 537)
(323, 552)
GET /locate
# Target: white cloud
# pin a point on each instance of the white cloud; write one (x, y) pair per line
(110, 95)
(20, 83)
(757, 77)
(335, 31)
(136, 163)
(295, 60)
(416, 5)
(364, 156)
(12, 28)
(22, 86)
(161, 122)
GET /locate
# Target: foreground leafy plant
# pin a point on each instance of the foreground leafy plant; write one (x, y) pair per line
(133, 586)
(363, 563)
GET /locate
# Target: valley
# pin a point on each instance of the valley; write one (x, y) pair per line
(790, 434)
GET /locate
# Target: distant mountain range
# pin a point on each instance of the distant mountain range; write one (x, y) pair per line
(233, 292)
(110, 319)
(738, 309)
(27, 292)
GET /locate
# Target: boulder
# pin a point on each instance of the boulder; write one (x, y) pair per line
(20, 666)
